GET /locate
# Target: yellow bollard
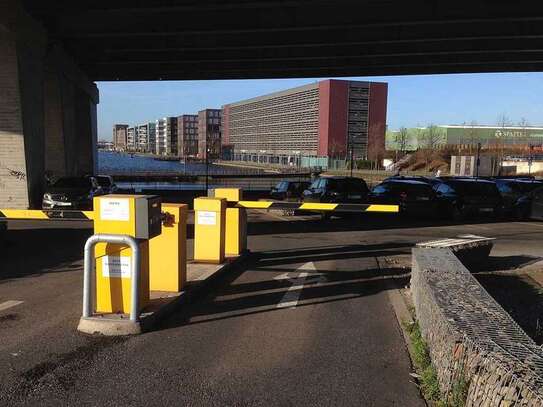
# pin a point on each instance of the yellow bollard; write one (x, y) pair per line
(209, 228)
(133, 215)
(236, 222)
(168, 251)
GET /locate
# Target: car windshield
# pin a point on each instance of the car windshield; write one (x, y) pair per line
(474, 188)
(72, 182)
(281, 186)
(525, 187)
(415, 189)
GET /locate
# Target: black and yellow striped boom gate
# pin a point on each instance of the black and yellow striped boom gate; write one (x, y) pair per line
(39, 214)
(315, 206)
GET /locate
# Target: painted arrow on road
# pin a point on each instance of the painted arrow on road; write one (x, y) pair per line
(291, 297)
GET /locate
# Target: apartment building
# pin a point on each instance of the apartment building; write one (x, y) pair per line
(142, 137)
(119, 136)
(166, 136)
(187, 131)
(316, 121)
(151, 137)
(131, 138)
(209, 133)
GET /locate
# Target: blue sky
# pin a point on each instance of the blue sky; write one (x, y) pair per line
(412, 100)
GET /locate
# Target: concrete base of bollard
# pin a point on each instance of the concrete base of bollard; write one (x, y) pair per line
(109, 326)
(162, 304)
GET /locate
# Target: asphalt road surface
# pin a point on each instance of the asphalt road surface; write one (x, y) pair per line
(308, 322)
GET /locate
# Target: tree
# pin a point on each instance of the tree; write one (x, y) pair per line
(402, 139)
(523, 124)
(472, 136)
(432, 138)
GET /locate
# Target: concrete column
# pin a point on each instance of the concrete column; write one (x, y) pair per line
(13, 190)
(47, 111)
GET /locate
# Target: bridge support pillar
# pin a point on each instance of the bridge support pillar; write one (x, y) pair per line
(47, 111)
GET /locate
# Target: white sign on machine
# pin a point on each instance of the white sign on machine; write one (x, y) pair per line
(114, 209)
(116, 266)
(207, 218)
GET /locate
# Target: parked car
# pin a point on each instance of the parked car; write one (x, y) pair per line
(414, 197)
(512, 189)
(336, 189)
(3, 232)
(72, 193)
(461, 197)
(107, 184)
(530, 205)
(289, 190)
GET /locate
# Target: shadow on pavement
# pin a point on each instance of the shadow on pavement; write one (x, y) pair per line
(39, 251)
(520, 296)
(228, 300)
(352, 223)
(503, 263)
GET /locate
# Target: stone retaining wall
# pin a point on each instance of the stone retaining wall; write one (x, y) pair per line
(471, 337)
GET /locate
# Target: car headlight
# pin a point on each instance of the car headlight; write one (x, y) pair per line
(47, 196)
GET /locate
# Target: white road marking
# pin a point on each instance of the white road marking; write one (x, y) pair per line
(8, 304)
(290, 299)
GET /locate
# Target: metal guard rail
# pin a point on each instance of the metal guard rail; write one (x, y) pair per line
(89, 270)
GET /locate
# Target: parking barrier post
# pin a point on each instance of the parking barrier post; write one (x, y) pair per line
(168, 251)
(209, 230)
(137, 216)
(236, 222)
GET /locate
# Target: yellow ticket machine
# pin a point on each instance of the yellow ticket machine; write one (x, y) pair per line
(168, 251)
(209, 228)
(138, 216)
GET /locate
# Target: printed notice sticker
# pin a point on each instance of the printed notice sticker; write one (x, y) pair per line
(114, 209)
(116, 266)
(207, 218)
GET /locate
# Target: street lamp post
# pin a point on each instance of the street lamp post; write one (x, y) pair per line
(478, 162)
(530, 159)
(351, 159)
(207, 170)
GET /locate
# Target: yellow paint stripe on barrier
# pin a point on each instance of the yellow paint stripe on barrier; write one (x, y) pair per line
(318, 206)
(24, 214)
(383, 208)
(254, 204)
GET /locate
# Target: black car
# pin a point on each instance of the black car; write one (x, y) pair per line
(336, 189)
(512, 189)
(3, 232)
(461, 197)
(530, 206)
(415, 197)
(72, 193)
(289, 190)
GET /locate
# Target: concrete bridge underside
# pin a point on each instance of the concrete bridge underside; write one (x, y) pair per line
(51, 51)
